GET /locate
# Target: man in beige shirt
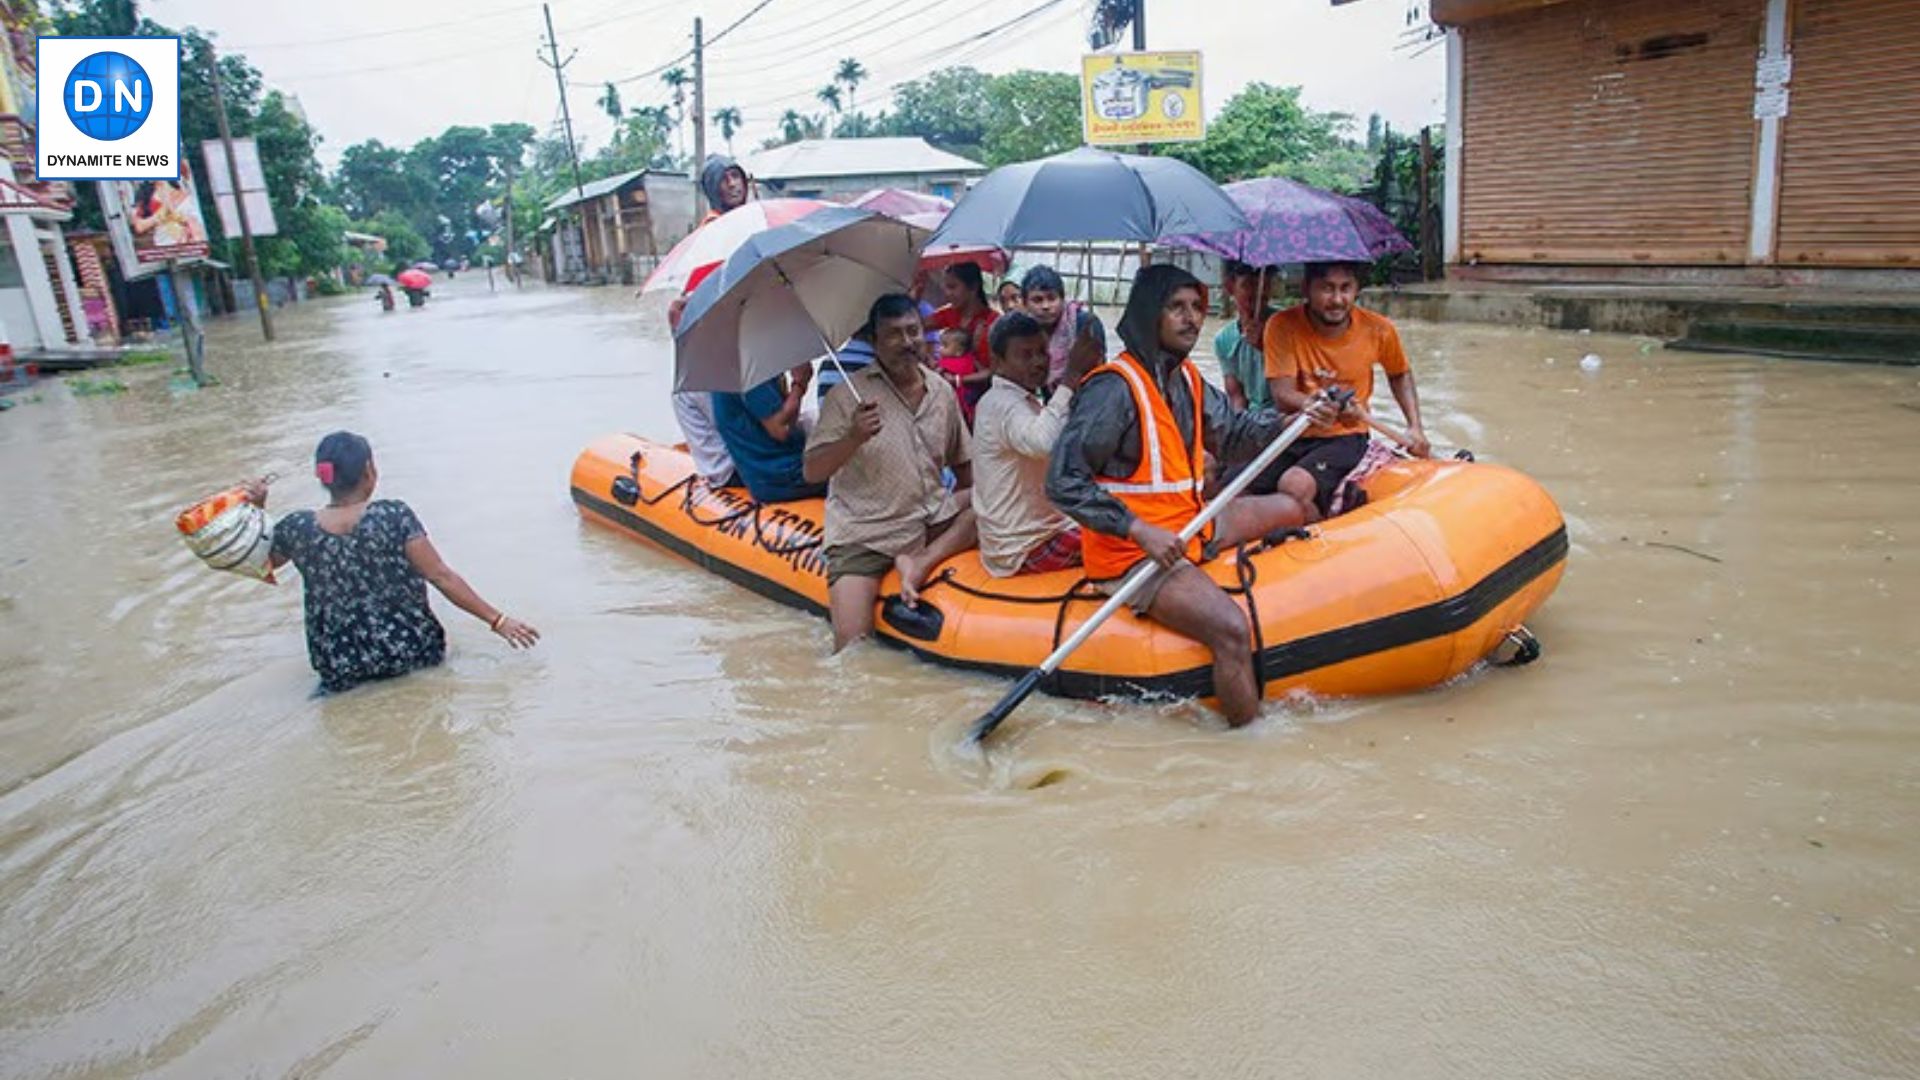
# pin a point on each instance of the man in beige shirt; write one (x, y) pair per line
(882, 441)
(1021, 531)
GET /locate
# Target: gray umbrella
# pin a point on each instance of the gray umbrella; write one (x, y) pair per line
(790, 295)
(1088, 195)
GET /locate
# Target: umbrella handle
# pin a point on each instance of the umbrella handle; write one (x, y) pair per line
(833, 356)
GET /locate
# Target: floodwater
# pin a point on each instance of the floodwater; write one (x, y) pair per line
(677, 840)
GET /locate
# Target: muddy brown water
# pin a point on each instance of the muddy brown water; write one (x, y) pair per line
(677, 840)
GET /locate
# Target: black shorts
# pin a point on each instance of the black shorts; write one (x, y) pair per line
(1328, 460)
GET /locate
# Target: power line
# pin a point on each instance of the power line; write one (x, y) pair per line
(739, 22)
(687, 55)
(941, 56)
(795, 88)
(772, 45)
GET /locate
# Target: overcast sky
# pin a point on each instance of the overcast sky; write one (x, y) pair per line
(398, 70)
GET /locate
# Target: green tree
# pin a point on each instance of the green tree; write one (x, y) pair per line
(1343, 167)
(859, 125)
(309, 240)
(95, 18)
(373, 177)
(1031, 114)
(405, 245)
(850, 74)
(948, 108)
(1264, 130)
(609, 103)
(677, 80)
(829, 96)
(793, 126)
(642, 144)
(728, 121)
(468, 168)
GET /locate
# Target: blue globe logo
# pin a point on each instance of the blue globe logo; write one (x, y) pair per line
(108, 96)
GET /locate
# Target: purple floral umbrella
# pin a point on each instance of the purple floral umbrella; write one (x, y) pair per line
(1298, 223)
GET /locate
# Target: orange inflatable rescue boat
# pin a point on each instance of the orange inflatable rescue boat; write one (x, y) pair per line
(1442, 565)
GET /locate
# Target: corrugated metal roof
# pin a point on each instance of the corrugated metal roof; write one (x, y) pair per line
(815, 158)
(597, 188)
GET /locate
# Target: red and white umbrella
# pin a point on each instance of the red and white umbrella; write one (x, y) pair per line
(713, 243)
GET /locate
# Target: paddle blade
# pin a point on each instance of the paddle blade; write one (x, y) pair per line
(984, 726)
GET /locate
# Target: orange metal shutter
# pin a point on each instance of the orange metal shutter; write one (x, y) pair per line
(1610, 132)
(1849, 175)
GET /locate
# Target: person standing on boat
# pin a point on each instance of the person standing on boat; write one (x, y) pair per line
(880, 445)
(1239, 344)
(1326, 342)
(1128, 467)
(1014, 431)
(365, 565)
(726, 186)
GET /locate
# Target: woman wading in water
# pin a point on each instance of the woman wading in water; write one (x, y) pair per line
(365, 566)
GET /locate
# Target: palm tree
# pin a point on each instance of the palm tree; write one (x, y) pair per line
(609, 102)
(830, 96)
(678, 80)
(793, 125)
(728, 121)
(851, 74)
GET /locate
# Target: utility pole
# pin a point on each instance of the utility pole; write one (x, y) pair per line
(699, 119)
(239, 202)
(560, 83)
(1140, 45)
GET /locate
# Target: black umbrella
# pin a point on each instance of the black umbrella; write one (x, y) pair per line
(1088, 195)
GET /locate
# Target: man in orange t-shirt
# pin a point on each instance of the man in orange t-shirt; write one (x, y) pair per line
(1323, 343)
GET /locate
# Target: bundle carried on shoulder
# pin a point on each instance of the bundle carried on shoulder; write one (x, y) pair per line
(229, 532)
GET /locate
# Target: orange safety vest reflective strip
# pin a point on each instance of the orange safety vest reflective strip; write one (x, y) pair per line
(1164, 488)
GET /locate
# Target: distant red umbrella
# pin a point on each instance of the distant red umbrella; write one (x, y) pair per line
(413, 278)
(990, 260)
(900, 203)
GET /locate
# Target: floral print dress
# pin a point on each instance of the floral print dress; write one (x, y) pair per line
(367, 613)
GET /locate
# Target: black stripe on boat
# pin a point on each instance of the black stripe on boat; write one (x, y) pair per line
(1284, 660)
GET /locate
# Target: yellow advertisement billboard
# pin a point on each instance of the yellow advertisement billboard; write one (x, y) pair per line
(1141, 97)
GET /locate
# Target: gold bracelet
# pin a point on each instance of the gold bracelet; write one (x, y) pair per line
(497, 620)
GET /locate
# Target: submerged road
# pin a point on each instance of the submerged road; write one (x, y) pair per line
(678, 840)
